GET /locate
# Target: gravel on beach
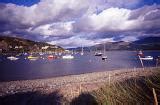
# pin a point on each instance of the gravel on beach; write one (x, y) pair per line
(72, 85)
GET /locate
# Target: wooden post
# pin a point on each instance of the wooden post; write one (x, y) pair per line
(109, 79)
(155, 97)
(80, 88)
(156, 62)
(72, 93)
(141, 61)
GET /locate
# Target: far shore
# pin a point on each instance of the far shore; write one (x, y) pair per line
(73, 85)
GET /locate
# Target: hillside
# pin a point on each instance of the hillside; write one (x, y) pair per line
(13, 44)
(149, 43)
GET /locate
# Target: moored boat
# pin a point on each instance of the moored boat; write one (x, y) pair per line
(12, 58)
(52, 57)
(68, 57)
(98, 54)
(143, 57)
(104, 57)
(32, 57)
(147, 58)
(82, 52)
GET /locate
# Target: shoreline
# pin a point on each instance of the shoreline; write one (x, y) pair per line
(73, 85)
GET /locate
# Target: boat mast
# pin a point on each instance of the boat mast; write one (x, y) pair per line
(82, 51)
(104, 49)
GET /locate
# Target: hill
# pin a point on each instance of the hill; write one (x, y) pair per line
(149, 43)
(14, 44)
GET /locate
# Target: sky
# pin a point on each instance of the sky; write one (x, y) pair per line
(75, 23)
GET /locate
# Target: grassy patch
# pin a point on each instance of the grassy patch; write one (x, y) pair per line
(131, 91)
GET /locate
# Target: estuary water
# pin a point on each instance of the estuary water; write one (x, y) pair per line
(24, 69)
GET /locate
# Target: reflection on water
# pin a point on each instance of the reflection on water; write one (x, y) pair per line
(44, 68)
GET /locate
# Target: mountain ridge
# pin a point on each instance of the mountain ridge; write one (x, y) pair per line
(148, 43)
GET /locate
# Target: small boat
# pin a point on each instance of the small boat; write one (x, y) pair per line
(41, 54)
(18, 55)
(52, 57)
(147, 58)
(68, 57)
(25, 54)
(82, 52)
(32, 57)
(12, 58)
(104, 57)
(98, 54)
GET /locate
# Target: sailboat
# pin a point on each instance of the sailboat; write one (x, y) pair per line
(142, 57)
(147, 58)
(82, 53)
(98, 53)
(52, 57)
(12, 58)
(104, 57)
(68, 56)
(33, 58)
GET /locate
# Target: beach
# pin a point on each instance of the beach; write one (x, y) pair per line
(72, 85)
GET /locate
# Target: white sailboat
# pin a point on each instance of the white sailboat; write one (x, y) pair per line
(12, 58)
(142, 57)
(147, 58)
(104, 57)
(68, 56)
(98, 53)
(82, 52)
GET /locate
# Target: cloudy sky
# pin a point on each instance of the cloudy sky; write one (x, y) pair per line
(73, 23)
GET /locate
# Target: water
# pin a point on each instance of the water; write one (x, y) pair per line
(23, 69)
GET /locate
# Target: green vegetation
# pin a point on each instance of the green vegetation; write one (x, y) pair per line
(20, 45)
(130, 92)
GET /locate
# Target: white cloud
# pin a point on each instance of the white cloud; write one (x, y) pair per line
(119, 19)
(45, 11)
(73, 42)
(78, 41)
(129, 38)
(81, 20)
(54, 29)
(112, 19)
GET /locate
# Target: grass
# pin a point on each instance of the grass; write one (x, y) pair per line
(131, 91)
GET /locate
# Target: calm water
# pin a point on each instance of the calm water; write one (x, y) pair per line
(25, 69)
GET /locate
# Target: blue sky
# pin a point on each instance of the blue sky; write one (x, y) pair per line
(21, 2)
(31, 2)
(76, 23)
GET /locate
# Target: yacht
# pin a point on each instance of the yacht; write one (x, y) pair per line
(82, 52)
(147, 58)
(68, 56)
(143, 57)
(32, 57)
(12, 58)
(104, 56)
(98, 54)
(52, 57)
